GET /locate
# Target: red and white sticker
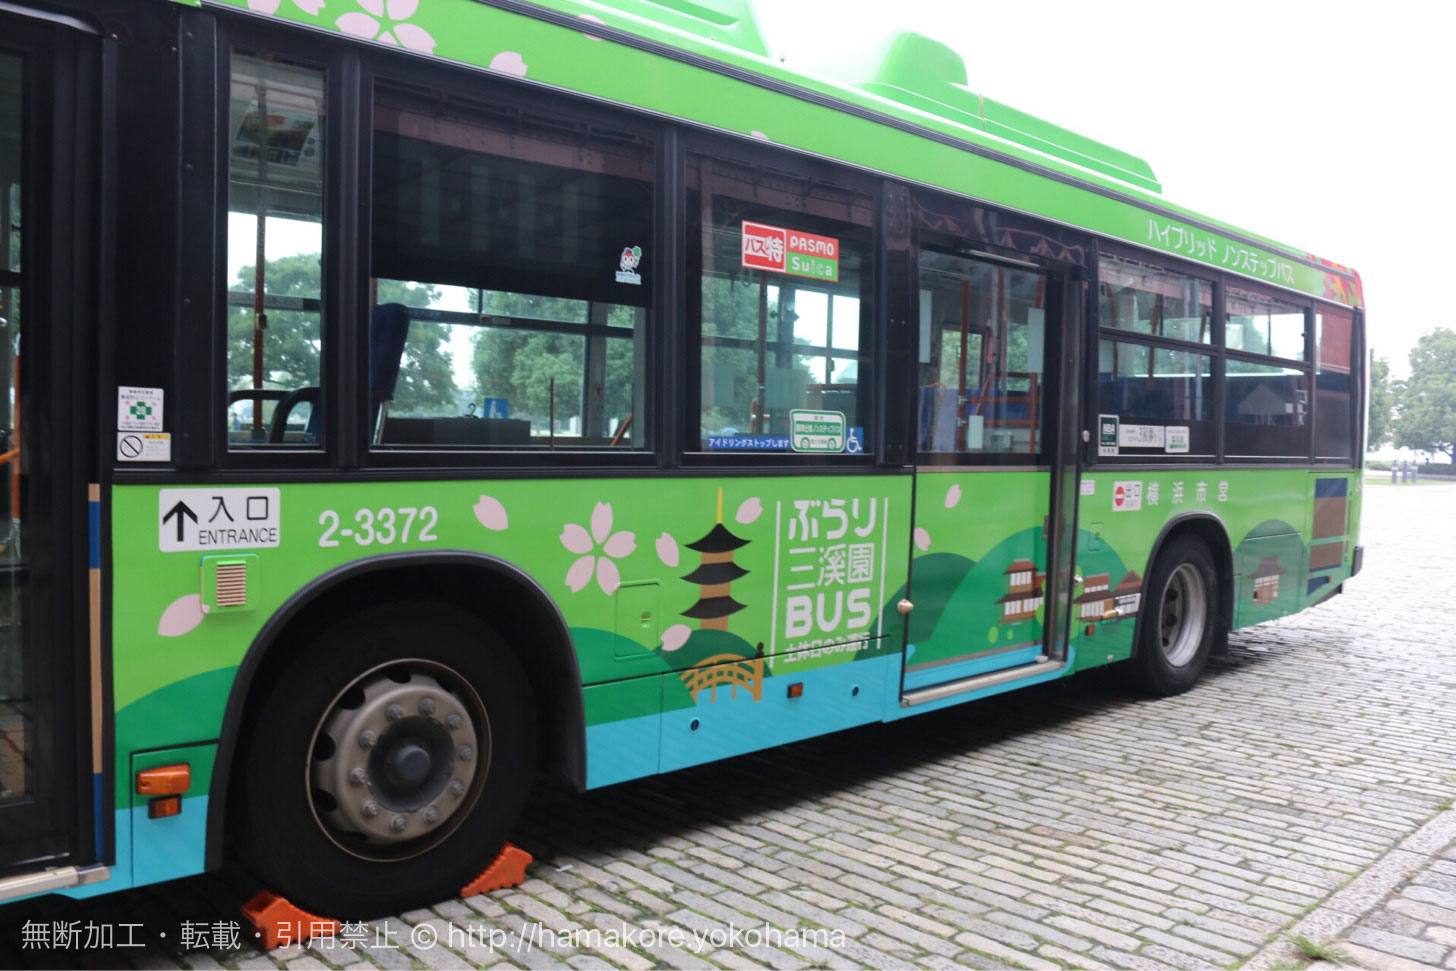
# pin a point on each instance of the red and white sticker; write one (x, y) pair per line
(765, 247)
(791, 251)
(1127, 496)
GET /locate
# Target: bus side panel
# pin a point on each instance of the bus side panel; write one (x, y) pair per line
(1263, 511)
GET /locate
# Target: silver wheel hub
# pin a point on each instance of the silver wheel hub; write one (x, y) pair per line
(397, 759)
(1182, 613)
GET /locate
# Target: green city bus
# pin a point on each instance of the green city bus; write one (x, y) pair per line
(420, 396)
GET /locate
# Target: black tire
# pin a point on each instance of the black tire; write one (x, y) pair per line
(332, 856)
(1179, 618)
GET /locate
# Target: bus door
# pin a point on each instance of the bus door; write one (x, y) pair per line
(49, 783)
(986, 542)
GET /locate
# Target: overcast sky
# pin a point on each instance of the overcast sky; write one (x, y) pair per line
(1323, 126)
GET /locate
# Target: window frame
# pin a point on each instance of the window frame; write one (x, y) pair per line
(1213, 349)
(686, 431)
(1052, 379)
(481, 85)
(339, 64)
(1221, 354)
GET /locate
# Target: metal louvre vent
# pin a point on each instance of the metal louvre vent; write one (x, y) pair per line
(232, 585)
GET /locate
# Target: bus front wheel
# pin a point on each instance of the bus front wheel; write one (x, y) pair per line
(1179, 618)
(387, 762)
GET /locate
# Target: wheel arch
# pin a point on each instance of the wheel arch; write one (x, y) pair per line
(1214, 534)
(527, 615)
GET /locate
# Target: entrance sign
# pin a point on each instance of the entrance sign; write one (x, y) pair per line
(217, 519)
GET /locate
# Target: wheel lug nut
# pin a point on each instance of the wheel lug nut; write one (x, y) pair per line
(457, 788)
(394, 713)
(398, 823)
(431, 814)
(427, 706)
(453, 721)
(358, 776)
(370, 809)
(465, 752)
(367, 739)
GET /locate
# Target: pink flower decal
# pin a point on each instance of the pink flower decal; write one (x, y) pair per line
(952, 496)
(667, 550)
(922, 538)
(491, 514)
(614, 546)
(382, 20)
(749, 511)
(181, 616)
(676, 636)
(509, 62)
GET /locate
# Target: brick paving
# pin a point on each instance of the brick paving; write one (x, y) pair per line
(1302, 791)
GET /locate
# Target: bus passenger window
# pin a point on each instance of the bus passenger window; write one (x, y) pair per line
(982, 350)
(783, 303)
(511, 286)
(274, 252)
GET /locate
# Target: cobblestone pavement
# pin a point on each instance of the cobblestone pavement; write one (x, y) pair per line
(1302, 791)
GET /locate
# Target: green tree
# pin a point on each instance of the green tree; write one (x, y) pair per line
(1382, 401)
(292, 341)
(1427, 419)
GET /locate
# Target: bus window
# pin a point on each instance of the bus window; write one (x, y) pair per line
(274, 252)
(511, 269)
(982, 355)
(1267, 401)
(1334, 384)
(783, 303)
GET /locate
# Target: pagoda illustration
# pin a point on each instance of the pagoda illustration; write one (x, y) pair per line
(1128, 594)
(714, 576)
(1096, 599)
(1023, 591)
(1266, 579)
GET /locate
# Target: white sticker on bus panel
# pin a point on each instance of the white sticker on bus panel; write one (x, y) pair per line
(1140, 436)
(1127, 496)
(1177, 438)
(138, 409)
(217, 519)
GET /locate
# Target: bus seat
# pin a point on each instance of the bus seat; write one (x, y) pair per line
(388, 331)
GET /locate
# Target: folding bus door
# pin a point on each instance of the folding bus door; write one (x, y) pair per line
(987, 415)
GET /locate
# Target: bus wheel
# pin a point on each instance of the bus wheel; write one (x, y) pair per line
(1179, 616)
(387, 762)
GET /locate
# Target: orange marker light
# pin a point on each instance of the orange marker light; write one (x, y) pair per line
(796, 689)
(164, 780)
(165, 806)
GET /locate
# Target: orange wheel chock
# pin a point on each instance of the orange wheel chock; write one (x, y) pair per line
(508, 869)
(279, 922)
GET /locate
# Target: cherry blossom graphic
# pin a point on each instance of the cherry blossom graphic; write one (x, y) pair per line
(382, 20)
(749, 511)
(613, 546)
(181, 616)
(591, 20)
(676, 636)
(491, 514)
(667, 550)
(922, 538)
(509, 62)
(952, 497)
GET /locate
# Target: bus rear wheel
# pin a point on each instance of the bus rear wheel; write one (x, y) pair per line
(1179, 618)
(387, 762)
